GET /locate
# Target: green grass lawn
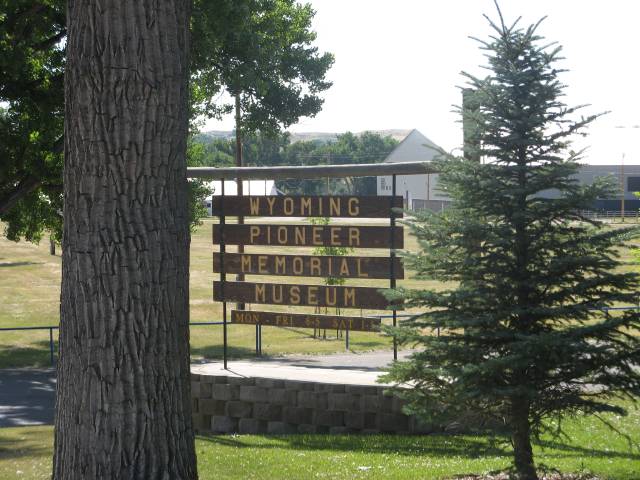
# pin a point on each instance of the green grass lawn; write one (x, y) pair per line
(593, 449)
(30, 296)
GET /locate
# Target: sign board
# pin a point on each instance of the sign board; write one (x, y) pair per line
(301, 320)
(308, 206)
(309, 236)
(308, 265)
(301, 295)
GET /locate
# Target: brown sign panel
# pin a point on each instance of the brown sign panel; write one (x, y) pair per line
(301, 295)
(309, 236)
(301, 320)
(308, 265)
(370, 206)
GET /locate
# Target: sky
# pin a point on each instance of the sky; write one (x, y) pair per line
(398, 65)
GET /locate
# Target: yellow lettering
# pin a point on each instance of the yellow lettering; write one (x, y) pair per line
(349, 297)
(360, 272)
(300, 235)
(314, 266)
(297, 266)
(262, 264)
(331, 299)
(260, 294)
(335, 235)
(354, 236)
(254, 205)
(280, 265)
(344, 267)
(312, 295)
(305, 206)
(246, 263)
(270, 201)
(288, 206)
(334, 206)
(317, 235)
(276, 293)
(354, 207)
(282, 235)
(254, 232)
(294, 295)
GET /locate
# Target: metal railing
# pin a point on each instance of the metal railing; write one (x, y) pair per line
(259, 340)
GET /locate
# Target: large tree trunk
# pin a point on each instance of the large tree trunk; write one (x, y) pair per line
(522, 451)
(123, 401)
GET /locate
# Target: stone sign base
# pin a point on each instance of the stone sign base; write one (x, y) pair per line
(244, 404)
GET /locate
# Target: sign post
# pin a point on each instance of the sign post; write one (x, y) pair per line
(294, 295)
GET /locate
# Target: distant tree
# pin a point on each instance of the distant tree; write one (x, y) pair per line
(263, 52)
(523, 337)
(123, 403)
(262, 49)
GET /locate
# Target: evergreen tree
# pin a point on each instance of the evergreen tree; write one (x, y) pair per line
(523, 335)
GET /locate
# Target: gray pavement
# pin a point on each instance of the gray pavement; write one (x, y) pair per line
(27, 396)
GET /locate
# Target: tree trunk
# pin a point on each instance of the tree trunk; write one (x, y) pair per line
(52, 246)
(123, 405)
(522, 451)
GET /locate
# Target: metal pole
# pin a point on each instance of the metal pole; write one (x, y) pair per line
(392, 255)
(622, 188)
(51, 346)
(223, 277)
(346, 339)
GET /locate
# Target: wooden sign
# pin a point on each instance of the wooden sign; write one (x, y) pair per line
(308, 206)
(301, 320)
(301, 295)
(308, 265)
(309, 236)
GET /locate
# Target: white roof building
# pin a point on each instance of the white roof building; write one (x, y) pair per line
(419, 191)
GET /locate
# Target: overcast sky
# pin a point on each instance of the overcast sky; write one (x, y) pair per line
(398, 65)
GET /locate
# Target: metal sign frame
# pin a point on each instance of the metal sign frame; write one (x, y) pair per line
(241, 173)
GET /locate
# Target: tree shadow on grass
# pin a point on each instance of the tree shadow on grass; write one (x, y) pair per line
(25, 443)
(428, 445)
(214, 353)
(577, 451)
(19, 264)
(37, 354)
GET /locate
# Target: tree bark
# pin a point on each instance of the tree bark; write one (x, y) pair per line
(123, 406)
(522, 451)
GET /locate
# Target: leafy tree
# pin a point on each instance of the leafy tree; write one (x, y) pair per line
(31, 90)
(262, 48)
(123, 403)
(261, 51)
(524, 339)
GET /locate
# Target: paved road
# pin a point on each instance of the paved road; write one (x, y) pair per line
(27, 396)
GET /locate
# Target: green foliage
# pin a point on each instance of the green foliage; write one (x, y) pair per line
(523, 335)
(31, 92)
(330, 250)
(263, 51)
(271, 150)
(260, 48)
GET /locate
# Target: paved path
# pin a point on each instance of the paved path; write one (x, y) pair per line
(27, 396)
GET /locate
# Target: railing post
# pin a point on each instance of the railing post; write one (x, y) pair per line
(51, 356)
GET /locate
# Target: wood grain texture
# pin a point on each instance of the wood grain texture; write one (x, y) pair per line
(123, 407)
(367, 206)
(301, 295)
(301, 320)
(309, 235)
(308, 265)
